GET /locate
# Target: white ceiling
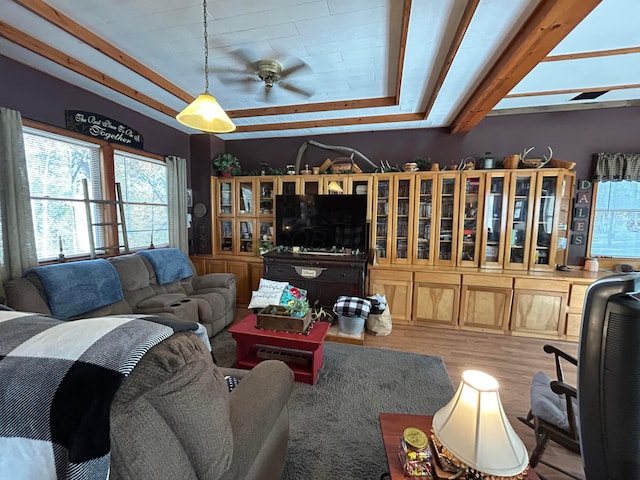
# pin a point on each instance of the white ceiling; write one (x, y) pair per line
(357, 50)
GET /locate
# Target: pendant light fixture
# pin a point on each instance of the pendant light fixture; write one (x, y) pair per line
(205, 113)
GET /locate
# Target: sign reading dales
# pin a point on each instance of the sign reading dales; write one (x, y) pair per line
(102, 127)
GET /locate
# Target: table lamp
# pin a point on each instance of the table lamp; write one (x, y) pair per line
(475, 432)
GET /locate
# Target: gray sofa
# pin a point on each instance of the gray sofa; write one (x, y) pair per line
(174, 418)
(127, 284)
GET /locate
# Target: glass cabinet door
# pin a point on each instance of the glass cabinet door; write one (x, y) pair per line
(381, 227)
(246, 230)
(519, 218)
(494, 220)
(549, 234)
(266, 195)
(361, 185)
(288, 185)
(423, 240)
(225, 197)
(447, 215)
(401, 223)
(470, 224)
(334, 185)
(311, 185)
(244, 200)
(225, 236)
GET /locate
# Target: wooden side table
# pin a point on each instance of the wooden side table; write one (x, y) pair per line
(249, 340)
(392, 426)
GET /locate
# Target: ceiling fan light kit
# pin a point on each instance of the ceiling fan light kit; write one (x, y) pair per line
(205, 113)
(270, 72)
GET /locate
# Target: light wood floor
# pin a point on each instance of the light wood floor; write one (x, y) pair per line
(512, 360)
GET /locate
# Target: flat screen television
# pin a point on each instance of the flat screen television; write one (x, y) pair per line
(321, 223)
(609, 378)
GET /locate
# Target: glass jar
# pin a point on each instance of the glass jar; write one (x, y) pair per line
(415, 454)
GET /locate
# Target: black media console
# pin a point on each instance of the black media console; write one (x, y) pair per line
(325, 277)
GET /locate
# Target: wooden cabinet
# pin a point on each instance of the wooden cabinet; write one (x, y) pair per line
(436, 297)
(577, 295)
(244, 271)
(486, 302)
(396, 286)
(539, 307)
(245, 209)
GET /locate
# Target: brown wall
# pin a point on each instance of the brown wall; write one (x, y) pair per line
(574, 136)
(43, 98)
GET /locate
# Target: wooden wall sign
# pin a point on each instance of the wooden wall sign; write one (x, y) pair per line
(104, 128)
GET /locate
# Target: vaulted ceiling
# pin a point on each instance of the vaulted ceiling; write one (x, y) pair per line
(356, 65)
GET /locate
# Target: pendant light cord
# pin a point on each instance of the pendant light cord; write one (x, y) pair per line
(206, 49)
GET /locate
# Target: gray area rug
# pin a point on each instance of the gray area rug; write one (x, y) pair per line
(334, 428)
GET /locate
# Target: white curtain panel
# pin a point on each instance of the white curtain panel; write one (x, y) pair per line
(18, 241)
(177, 197)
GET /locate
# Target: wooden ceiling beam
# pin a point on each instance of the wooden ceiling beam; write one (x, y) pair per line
(595, 54)
(463, 25)
(36, 46)
(83, 34)
(574, 90)
(404, 35)
(334, 122)
(314, 107)
(550, 22)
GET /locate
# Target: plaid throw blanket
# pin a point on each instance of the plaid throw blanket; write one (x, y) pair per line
(58, 379)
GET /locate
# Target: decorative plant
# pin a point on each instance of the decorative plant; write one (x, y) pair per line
(226, 163)
(424, 164)
(297, 307)
(264, 246)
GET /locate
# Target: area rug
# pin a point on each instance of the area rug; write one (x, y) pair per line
(334, 427)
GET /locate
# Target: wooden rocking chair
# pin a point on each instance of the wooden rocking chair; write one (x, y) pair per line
(554, 411)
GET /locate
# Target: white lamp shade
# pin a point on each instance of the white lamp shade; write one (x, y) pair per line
(206, 114)
(474, 427)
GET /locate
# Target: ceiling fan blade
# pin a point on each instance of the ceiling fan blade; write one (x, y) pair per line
(298, 67)
(296, 90)
(243, 56)
(235, 79)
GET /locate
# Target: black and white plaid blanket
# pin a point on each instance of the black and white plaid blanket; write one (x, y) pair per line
(352, 306)
(57, 381)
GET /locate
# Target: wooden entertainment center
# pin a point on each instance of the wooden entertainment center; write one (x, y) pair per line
(473, 250)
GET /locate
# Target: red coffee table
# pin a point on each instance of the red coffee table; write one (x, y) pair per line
(303, 353)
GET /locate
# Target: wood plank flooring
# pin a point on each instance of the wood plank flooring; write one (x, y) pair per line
(512, 360)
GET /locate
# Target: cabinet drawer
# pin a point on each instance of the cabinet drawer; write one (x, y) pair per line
(441, 278)
(496, 281)
(401, 276)
(542, 284)
(576, 297)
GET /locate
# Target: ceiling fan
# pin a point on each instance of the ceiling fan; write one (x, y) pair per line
(270, 72)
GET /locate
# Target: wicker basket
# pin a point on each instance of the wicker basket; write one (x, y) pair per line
(511, 161)
(343, 164)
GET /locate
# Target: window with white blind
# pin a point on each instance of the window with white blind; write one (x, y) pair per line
(58, 164)
(143, 183)
(56, 167)
(616, 223)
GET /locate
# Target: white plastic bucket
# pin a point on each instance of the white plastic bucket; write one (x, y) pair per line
(350, 325)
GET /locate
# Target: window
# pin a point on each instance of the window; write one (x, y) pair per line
(143, 182)
(616, 224)
(58, 166)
